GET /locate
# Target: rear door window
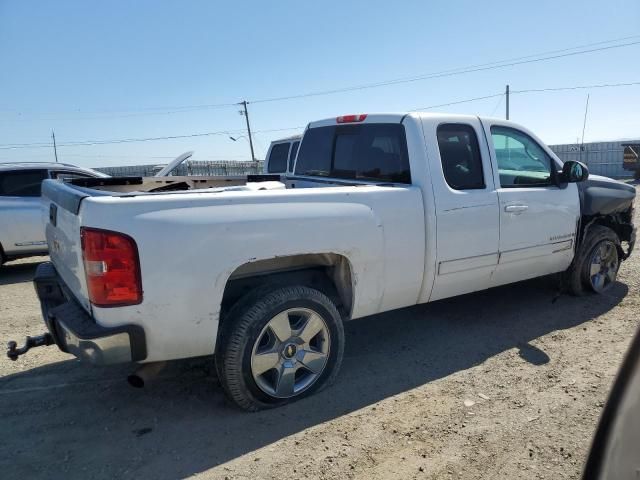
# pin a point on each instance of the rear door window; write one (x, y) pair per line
(278, 158)
(22, 183)
(375, 151)
(460, 156)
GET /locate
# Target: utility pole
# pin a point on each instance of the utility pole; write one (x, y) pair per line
(507, 100)
(55, 150)
(584, 126)
(246, 117)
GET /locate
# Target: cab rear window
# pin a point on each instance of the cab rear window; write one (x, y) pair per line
(277, 162)
(22, 183)
(375, 151)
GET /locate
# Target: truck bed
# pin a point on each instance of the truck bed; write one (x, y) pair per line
(168, 184)
(193, 242)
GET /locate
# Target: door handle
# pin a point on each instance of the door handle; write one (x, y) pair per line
(517, 209)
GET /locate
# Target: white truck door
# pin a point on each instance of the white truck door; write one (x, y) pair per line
(538, 218)
(466, 206)
(22, 211)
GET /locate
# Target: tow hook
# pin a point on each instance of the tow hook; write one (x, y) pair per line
(40, 341)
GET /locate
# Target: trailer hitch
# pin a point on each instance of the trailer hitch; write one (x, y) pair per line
(13, 352)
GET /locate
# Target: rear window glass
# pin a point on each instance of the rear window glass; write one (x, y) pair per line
(278, 158)
(460, 156)
(376, 151)
(22, 183)
(292, 154)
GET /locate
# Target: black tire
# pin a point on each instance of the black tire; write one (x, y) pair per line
(577, 278)
(246, 323)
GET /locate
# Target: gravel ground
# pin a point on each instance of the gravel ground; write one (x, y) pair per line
(504, 383)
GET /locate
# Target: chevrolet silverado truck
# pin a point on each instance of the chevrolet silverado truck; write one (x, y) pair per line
(381, 211)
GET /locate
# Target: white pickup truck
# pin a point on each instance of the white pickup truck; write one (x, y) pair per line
(381, 212)
(281, 155)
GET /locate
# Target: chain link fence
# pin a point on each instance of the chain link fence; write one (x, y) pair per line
(602, 158)
(198, 168)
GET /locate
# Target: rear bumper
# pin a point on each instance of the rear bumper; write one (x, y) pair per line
(76, 332)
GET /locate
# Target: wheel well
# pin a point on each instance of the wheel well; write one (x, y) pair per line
(328, 272)
(619, 223)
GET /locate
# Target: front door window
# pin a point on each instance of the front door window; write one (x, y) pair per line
(522, 162)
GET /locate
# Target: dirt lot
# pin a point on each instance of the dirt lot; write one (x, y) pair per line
(499, 384)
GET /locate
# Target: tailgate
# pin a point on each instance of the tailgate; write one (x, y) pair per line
(62, 230)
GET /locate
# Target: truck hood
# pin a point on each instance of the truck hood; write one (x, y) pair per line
(603, 196)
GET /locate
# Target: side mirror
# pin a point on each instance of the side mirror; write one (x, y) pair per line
(573, 172)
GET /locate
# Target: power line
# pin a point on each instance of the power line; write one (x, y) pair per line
(495, 109)
(578, 87)
(530, 90)
(115, 141)
(145, 156)
(227, 132)
(132, 140)
(107, 155)
(544, 56)
(446, 73)
(137, 112)
(467, 100)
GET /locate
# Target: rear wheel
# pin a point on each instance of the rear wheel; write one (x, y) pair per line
(595, 267)
(280, 346)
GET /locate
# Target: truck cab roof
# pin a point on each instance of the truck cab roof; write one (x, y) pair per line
(392, 117)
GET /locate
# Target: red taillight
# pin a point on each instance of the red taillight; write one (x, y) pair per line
(351, 118)
(112, 268)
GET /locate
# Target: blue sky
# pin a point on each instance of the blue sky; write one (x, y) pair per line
(113, 70)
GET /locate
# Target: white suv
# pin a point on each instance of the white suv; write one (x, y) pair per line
(21, 225)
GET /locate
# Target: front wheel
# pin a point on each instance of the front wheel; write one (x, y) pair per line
(602, 269)
(280, 346)
(595, 267)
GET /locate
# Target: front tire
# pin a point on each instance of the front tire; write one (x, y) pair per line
(595, 267)
(279, 346)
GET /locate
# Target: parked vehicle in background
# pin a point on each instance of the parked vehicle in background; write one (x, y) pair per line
(21, 222)
(381, 212)
(282, 155)
(631, 159)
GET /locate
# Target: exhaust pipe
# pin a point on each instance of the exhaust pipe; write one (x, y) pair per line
(145, 374)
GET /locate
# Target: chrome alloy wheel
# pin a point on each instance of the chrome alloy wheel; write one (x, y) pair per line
(290, 353)
(603, 266)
